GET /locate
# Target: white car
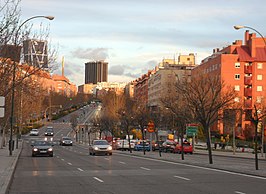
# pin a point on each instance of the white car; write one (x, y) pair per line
(123, 144)
(100, 147)
(34, 132)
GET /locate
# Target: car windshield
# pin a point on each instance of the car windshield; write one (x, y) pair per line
(100, 143)
(34, 130)
(41, 143)
(49, 130)
(66, 138)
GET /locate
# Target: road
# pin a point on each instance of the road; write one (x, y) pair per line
(73, 170)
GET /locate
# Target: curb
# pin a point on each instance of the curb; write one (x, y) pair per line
(11, 171)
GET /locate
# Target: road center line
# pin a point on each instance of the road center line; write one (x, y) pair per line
(98, 179)
(80, 169)
(69, 163)
(238, 192)
(62, 159)
(145, 168)
(122, 162)
(180, 177)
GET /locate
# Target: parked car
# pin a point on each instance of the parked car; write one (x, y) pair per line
(168, 146)
(140, 147)
(187, 148)
(49, 131)
(100, 147)
(155, 145)
(122, 144)
(34, 132)
(66, 141)
(41, 147)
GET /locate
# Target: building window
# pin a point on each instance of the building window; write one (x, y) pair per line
(259, 88)
(237, 65)
(259, 99)
(237, 88)
(259, 65)
(237, 76)
(259, 77)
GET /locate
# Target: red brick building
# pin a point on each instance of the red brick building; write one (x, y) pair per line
(243, 66)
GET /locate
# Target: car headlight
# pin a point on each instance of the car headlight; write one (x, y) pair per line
(52, 133)
(71, 142)
(45, 139)
(35, 149)
(109, 148)
(50, 149)
(63, 141)
(96, 148)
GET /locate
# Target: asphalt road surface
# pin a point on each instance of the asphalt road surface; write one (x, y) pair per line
(73, 170)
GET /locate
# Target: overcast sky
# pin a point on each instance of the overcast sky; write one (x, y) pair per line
(133, 36)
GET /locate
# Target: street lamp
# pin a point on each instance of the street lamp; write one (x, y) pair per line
(237, 27)
(14, 79)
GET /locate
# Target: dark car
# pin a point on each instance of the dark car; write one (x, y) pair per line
(66, 141)
(41, 147)
(49, 131)
(168, 146)
(100, 147)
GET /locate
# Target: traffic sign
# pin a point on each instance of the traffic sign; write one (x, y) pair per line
(192, 129)
(2, 112)
(150, 127)
(2, 101)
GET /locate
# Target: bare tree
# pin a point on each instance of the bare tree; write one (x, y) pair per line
(205, 97)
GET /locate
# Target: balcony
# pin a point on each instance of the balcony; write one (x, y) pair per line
(248, 80)
(248, 69)
(248, 92)
(248, 104)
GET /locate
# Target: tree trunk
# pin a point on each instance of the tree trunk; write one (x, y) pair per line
(209, 144)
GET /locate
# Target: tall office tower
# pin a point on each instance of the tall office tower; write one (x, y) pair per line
(96, 71)
(35, 53)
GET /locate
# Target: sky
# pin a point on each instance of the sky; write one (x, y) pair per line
(133, 36)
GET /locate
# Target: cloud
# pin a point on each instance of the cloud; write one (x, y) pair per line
(94, 54)
(116, 70)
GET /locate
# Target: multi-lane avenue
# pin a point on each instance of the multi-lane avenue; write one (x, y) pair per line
(73, 170)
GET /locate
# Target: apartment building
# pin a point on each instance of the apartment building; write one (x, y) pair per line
(241, 65)
(162, 82)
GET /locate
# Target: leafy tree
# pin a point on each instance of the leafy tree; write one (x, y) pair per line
(205, 97)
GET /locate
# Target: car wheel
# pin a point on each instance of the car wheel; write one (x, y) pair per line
(32, 155)
(110, 154)
(51, 155)
(191, 153)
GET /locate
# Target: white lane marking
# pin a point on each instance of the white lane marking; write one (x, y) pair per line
(98, 179)
(238, 192)
(122, 162)
(106, 158)
(80, 169)
(180, 177)
(62, 159)
(200, 167)
(69, 163)
(145, 168)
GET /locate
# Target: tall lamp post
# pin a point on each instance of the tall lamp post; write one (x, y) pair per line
(237, 27)
(11, 142)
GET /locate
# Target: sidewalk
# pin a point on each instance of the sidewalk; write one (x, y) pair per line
(7, 166)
